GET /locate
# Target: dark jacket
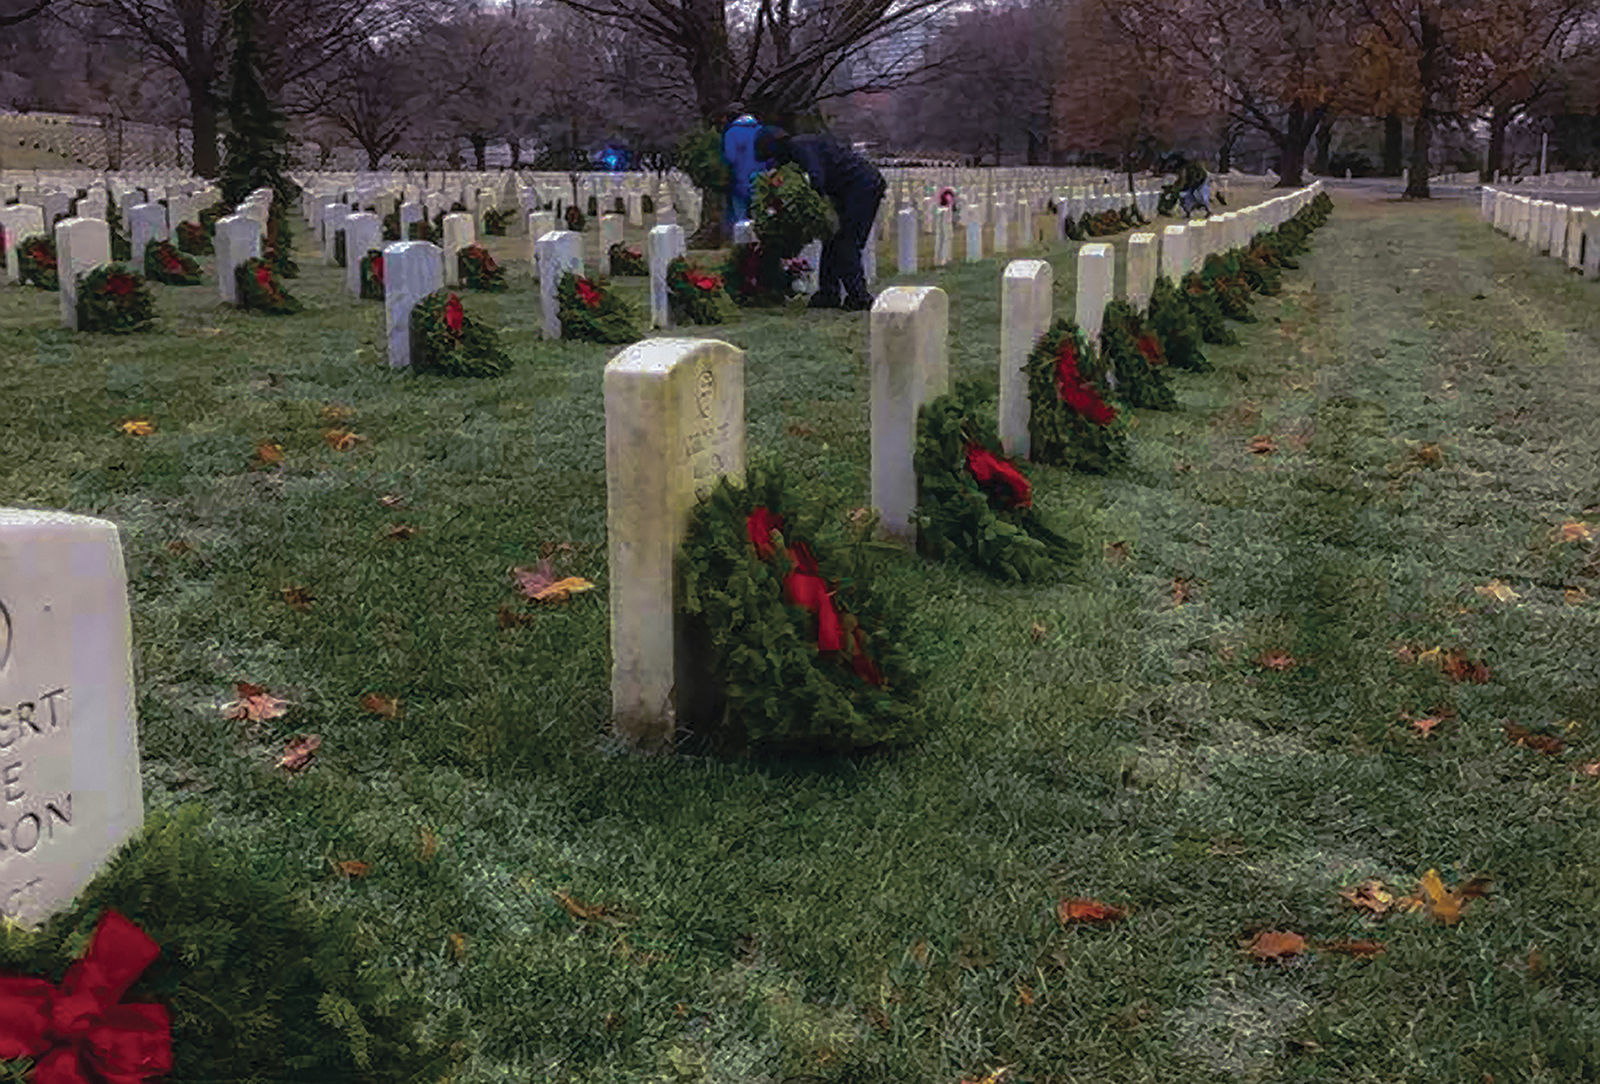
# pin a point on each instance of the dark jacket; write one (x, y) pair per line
(835, 170)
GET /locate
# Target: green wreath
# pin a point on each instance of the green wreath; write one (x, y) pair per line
(755, 276)
(209, 215)
(372, 276)
(164, 263)
(1229, 286)
(194, 240)
(111, 298)
(1263, 278)
(1133, 351)
(700, 157)
(589, 312)
(1069, 422)
(975, 505)
(420, 230)
(803, 650)
(495, 221)
(694, 297)
(575, 218)
(278, 244)
(1207, 311)
(36, 262)
(1272, 250)
(1072, 228)
(626, 261)
(1174, 321)
(478, 270)
(445, 340)
(121, 246)
(391, 225)
(787, 213)
(260, 290)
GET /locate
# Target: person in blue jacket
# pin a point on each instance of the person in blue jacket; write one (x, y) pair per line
(739, 151)
(856, 189)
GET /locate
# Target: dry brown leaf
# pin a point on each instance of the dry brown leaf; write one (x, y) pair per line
(1528, 739)
(342, 440)
(919, 952)
(458, 945)
(138, 427)
(1024, 995)
(1364, 950)
(1436, 898)
(298, 753)
(1575, 596)
(509, 618)
(1425, 725)
(352, 868)
(1370, 895)
(1535, 960)
(1275, 945)
(1429, 454)
(587, 912)
(1037, 632)
(1591, 768)
(381, 704)
(1263, 446)
(1117, 552)
(401, 532)
(253, 704)
(1574, 531)
(1497, 591)
(541, 584)
(1085, 910)
(801, 431)
(299, 598)
(268, 454)
(337, 412)
(1181, 590)
(1276, 660)
(427, 845)
(393, 500)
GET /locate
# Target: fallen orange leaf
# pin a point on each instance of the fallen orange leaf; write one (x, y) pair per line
(401, 532)
(1024, 995)
(1591, 768)
(1370, 895)
(139, 427)
(1276, 660)
(381, 704)
(253, 704)
(352, 868)
(541, 584)
(337, 412)
(299, 598)
(458, 945)
(587, 912)
(341, 440)
(1497, 591)
(1116, 552)
(1084, 910)
(1574, 531)
(269, 455)
(298, 753)
(1275, 945)
(1440, 902)
(1181, 590)
(1543, 743)
(427, 845)
(1425, 725)
(1263, 446)
(1575, 596)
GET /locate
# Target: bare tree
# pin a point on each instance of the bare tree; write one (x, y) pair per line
(14, 14)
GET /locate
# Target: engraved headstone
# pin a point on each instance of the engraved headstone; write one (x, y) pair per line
(411, 271)
(361, 233)
(146, 222)
(906, 239)
(1141, 269)
(458, 234)
(557, 252)
(70, 793)
(909, 365)
(82, 244)
(237, 239)
(1025, 311)
(539, 224)
(1094, 289)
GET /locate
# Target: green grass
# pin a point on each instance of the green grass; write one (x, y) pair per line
(891, 919)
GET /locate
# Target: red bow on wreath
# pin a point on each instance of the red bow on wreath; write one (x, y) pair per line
(997, 476)
(588, 294)
(701, 281)
(947, 198)
(1150, 347)
(1072, 389)
(453, 314)
(79, 1034)
(264, 277)
(170, 261)
(377, 269)
(117, 285)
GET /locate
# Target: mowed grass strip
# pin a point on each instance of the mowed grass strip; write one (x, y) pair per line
(1209, 726)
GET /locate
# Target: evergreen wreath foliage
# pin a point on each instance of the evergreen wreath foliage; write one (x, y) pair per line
(478, 270)
(589, 312)
(209, 216)
(700, 158)
(260, 290)
(1133, 351)
(278, 244)
(974, 504)
(1229, 286)
(36, 262)
(420, 230)
(121, 246)
(1173, 320)
(787, 213)
(575, 219)
(111, 298)
(194, 240)
(372, 288)
(1273, 251)
(1069, 422)
(626, 261)
(757, 277)
(1262, 277)
(804, 651)
(694, 297)
(339, 257)
(1073, 228)
(165, 264)
(495, 221)
(391, 225)
(445, 340)
(1207, 311)
(259, 984)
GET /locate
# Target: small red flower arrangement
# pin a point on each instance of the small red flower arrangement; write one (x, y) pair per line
(36, 262)
(479, 271)
(627, 261)
(372, 287)
(693, 296)
(113, 299)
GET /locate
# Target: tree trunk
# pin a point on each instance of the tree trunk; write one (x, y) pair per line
(1324, 143)
(516, 151)
(374, 155)
(1292, 147)
(1499, 121)
(1430, 77)
(203, 119)
(1393, 145)
(480, 144)
(1421, 145)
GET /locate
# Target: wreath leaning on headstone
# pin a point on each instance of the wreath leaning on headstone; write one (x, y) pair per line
(372, 276)
(575, 219)
(260, 290)
(1070, 424)
(1229, 286)
(36, 262)
(804, 650)
(755, 276)
(420, 230)
(694, 297)
(974, 504)
(787, 213)
(1207, 311)
(165, 264)
(1174, 321)
(391, 225)
(495, 220)
(626, 261)
(111, 298)
(194, 240)
(590, 312)
(445, 340)
(1132, 350)
(121, 246)
(478, 270)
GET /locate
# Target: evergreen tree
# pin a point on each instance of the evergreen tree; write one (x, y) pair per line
(254, 151)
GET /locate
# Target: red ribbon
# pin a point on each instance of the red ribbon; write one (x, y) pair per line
(264, 277)
(377, 269)
(759, 525)
(1150, 347)
(117, 285)
(78, 1033)
(808, 590)
(999, 477)
(453, 315)
(1073, 390)
(589, 295)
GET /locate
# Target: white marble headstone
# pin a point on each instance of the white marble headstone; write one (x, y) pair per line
(16, 222)
(663, 244)
(82, 244)
(909, 365)
(1026, 307)
(557, 252)
(237, 239)
(362, 232)
(411, 271)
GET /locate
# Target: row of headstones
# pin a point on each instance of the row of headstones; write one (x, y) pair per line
(1548, 228)
(144, 218)
(675, 424)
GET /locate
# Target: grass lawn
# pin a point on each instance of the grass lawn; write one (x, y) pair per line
(1208, 726)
